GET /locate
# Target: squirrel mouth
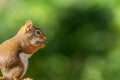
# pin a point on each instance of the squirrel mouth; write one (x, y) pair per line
(39, 42)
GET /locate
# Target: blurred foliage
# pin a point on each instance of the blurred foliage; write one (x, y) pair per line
(83, 40)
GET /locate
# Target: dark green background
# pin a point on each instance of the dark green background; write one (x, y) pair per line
(83, 37)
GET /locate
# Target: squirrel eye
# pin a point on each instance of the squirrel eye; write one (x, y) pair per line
(37, 32)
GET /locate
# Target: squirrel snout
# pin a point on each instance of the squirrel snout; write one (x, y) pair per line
(44, 37)
(42, 40)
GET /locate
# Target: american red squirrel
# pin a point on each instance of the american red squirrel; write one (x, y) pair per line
(14, 53)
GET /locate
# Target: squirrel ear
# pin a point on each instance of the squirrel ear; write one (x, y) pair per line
(28, 24)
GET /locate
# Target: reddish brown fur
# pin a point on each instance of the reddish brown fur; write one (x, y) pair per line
(9, 52)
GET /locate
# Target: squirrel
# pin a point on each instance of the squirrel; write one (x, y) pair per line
(15, 52)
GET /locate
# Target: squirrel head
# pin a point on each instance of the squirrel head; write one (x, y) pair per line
(31, 35)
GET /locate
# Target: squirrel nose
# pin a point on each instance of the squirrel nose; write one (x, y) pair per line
(44, 37)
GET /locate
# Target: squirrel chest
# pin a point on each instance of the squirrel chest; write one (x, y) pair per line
(24, 59)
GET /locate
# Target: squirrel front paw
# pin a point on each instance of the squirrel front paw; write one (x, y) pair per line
(27, 79)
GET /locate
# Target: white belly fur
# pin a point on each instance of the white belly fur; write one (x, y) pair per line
(24, 58)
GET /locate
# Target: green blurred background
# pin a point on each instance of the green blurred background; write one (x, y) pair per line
(83, 41)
